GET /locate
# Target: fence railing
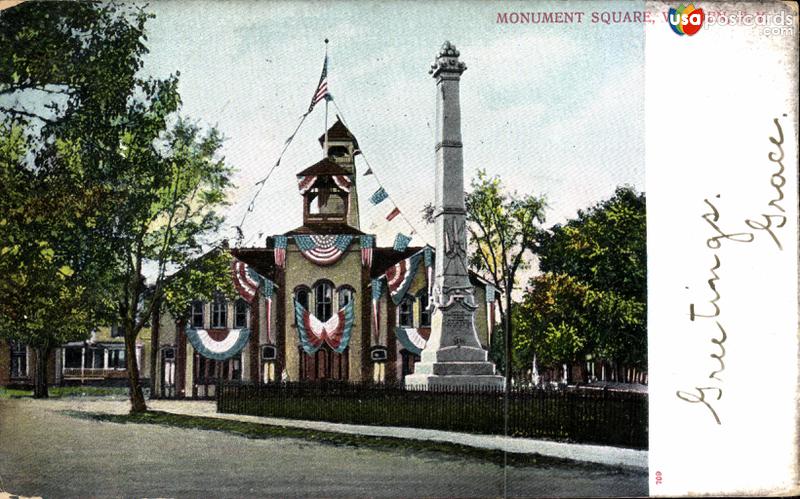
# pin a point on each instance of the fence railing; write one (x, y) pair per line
(586, 416)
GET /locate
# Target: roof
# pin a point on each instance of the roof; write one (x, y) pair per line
(260, 259)
(338, 131)
(324, 228)
(323, 167)
(383, 258)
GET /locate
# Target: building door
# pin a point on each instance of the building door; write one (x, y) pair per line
(168, 372)
(325, 364)
(208, 372)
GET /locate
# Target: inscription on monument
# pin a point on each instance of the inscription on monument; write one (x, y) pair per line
(457, 319)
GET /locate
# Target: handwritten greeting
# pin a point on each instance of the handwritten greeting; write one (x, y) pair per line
(710, 390)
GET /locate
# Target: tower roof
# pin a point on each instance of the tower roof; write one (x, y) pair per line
(323, 167)
(338, 131)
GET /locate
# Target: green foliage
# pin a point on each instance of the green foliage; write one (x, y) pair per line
(104, 180)
(503, 228)
(591, 300)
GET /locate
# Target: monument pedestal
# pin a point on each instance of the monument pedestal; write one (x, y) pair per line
(453, 356)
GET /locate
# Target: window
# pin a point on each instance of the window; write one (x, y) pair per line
(197, 314)
(93, 358)
(301, 295)
(219, 313)
(405, 313)
(116, 331)
(116, 359)
(72, 357)
(424, 311)
(19, 360)
(240, 314)
(323, 295)
(345, 295)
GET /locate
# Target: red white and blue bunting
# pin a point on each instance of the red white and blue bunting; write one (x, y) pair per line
(323, 249)
(245, 280)
(218, 345)
(377, 291)
(343, 182)
(411, 339)
(279, 246)
(367, 245)
(305, 183)
(269, 291)
(400, 275)
(335, 332)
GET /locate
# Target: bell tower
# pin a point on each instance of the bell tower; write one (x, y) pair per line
(342, 148)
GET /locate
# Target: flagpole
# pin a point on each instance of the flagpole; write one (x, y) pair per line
(325, 151)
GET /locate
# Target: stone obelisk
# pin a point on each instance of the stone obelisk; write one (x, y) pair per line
(453, 355)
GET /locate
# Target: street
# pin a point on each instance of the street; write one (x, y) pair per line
(45, 452)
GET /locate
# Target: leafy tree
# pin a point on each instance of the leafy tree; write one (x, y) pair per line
(43, 300)
(591, 298)
(115, 136)
(61, 65)
(503, 229)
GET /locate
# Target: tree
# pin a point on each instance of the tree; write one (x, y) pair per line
(43, 300)
(117, 137)
(61, 66)
(503, 229)
(172, 193)
(591, 298)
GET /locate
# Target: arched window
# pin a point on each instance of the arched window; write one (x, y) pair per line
(405, 312)
(219, 312)
(301, 294)
(424, 311)
(240, 313)
(346, 294)
(197, 314)
(323, 300)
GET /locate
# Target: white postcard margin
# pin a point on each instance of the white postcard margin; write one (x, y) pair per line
(722, 177)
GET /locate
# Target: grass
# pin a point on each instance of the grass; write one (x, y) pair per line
(395, 445)
(67, 391)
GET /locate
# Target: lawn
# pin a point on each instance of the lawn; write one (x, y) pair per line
(67, 391)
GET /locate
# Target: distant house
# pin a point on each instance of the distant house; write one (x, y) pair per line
(99, 360)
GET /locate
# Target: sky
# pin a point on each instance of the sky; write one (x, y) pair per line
(554, 110)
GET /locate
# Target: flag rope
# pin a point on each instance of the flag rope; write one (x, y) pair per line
(378, 181)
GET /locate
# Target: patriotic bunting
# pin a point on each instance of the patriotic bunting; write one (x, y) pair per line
(410, 339)
(490, 291)
(218, 345)
(428, 254)
(377, 291)
(335, 332)
(400, 275)
(343, 182)
(245, 280)
(280, 243)
(378, 196)
(305, 183)
(401, 242)
(367, 244)
(323, 249)
(392, 214)
(269, 292)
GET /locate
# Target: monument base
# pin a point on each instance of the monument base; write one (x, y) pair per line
(433, 372)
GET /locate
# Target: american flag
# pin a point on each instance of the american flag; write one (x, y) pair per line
(322, 87)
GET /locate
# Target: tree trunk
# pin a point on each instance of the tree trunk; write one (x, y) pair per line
(134, 386)
(40, 374)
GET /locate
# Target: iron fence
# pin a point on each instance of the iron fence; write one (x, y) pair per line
(575, 415)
